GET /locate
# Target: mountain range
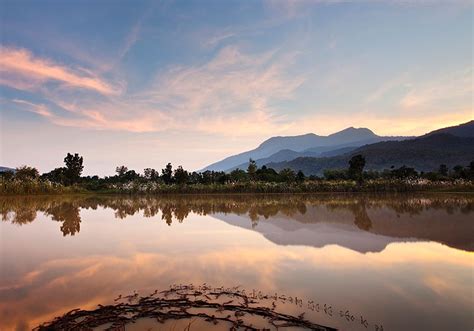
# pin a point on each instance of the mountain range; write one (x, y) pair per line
(312, 154)
(4, 169)
(278, 149)
(425, 153)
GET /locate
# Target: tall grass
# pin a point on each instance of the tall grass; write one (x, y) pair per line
(377, 185)
(35, 186)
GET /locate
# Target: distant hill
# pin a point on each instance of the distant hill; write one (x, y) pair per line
(288, 154)
(424, 154)
(277, 149)
(338, 151)
(4, 169)
(461, 130)
(280, 156)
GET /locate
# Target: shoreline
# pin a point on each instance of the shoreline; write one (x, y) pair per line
(258, 188)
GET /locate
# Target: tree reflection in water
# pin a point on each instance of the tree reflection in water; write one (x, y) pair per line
(68, 214)
(357, 208)
(361, 218)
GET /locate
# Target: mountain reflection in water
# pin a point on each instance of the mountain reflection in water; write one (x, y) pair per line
(401, 261)
(361, 222)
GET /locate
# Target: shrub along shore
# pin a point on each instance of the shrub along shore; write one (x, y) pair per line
(27, 180)
(309, 186)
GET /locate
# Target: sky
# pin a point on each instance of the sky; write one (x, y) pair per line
(144, 83)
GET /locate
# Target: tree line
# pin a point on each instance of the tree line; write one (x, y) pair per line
(71, 174)
(357, 165)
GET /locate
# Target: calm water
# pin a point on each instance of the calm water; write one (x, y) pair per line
(402, 262)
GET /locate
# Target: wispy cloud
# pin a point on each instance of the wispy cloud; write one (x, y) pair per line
(39, 109)
(133, 36)
(289, 9)
(455, 85)
(232, 84)
(232, 92)
(115, 114)
(401, 81)
(20, 69)
(95, 120)
(235, 93)
(99, 117)
(131, 39)
(218, 37)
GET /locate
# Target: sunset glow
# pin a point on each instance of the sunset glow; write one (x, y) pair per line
(216, 78)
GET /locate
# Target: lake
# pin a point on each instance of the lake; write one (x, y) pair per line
(369, 262)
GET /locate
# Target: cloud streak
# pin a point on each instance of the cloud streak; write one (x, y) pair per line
(232, 88)
(39, 109)
(231, 91)
(456, 85)
(20, 69)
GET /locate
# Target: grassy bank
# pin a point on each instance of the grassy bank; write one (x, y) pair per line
(14, 187)
(36, 186)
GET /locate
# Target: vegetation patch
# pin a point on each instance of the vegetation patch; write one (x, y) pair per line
(232, 306)
(68, 179)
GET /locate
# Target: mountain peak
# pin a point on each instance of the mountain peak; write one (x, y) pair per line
(290, 142)
(300, 145)
(352, 133)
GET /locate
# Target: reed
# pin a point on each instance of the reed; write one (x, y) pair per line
(37, 186)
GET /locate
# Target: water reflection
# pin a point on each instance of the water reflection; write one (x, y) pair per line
(64, 252)
(413, 217)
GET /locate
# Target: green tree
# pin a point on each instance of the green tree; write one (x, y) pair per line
(300, 176)
(459, 171)
(238, 175)
(57, 175)
(356, 167)
(470, 171)
(151, 174)
(404, 172)
(335, 174)
(167, 174)
(287, 175)
(443, 170)
(74, 167)
(181, 176)
(26, 173)
(7, 175)
(195, 177)
(267, 174)
(207, 177)
(223, 178)
(121, 170)
(129, 176)
(252, 169)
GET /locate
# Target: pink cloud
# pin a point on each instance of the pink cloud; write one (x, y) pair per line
(98, 122)
(111, 115)
(21, 69)
(39, 109)
(233, 89)
(233, 83)
(233, 92)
